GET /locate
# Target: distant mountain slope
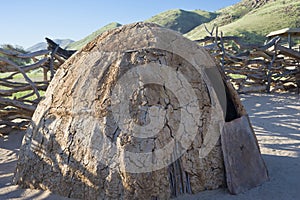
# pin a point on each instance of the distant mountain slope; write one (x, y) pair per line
(63, 43)
(79, 44)
(181, 20)
(252, 20)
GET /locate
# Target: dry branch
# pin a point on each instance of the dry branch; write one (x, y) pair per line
(26, 68)
(288, 52)
(17, 112)
(60, 52)
(21, 55)
(23, 73)
(263, 66)
(17, 104)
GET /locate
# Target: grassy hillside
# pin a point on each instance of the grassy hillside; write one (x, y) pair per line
(250, 19)
(181, 20)
(253, 20)
(79, 44)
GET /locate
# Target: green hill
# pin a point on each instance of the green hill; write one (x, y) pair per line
(252, 20)
(181, 20)
(79, 44)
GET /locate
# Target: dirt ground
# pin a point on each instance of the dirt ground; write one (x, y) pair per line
(276, 121)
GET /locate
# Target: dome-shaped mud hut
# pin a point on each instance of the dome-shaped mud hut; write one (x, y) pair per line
(139, 113)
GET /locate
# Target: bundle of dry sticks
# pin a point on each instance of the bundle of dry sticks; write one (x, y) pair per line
(254, 68)
(22, 86)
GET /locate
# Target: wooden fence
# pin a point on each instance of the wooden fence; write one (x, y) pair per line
(250, 68)
(253, 68)
(22, 87)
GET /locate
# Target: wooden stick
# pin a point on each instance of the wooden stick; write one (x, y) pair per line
(24, 75)
(18, 104)
(26, 68)
(21, 55)
(52, 62)
(10, 92)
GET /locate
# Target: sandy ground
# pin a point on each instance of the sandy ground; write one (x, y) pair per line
(276, 120)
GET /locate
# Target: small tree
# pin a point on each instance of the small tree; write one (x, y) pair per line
(17, 49)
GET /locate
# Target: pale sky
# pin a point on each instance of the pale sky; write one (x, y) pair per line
(27, 22)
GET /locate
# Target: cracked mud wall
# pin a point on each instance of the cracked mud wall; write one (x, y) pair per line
(75, 146)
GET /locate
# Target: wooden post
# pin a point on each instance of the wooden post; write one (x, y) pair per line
(269, 72)
(52, 62)
(290, 40)
(223, 53)
(45, 71)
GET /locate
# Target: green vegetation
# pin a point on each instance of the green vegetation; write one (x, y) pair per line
(35, 75)
(270, 17)
(237, 76)
(253, 21)
(249, 19)
(181, 20)
(79, 44)
(21, 94)
(17, 49)
(178, 20)
(24, 93)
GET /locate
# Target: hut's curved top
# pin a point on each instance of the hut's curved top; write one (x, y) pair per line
(149, 35)
(83, 84)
